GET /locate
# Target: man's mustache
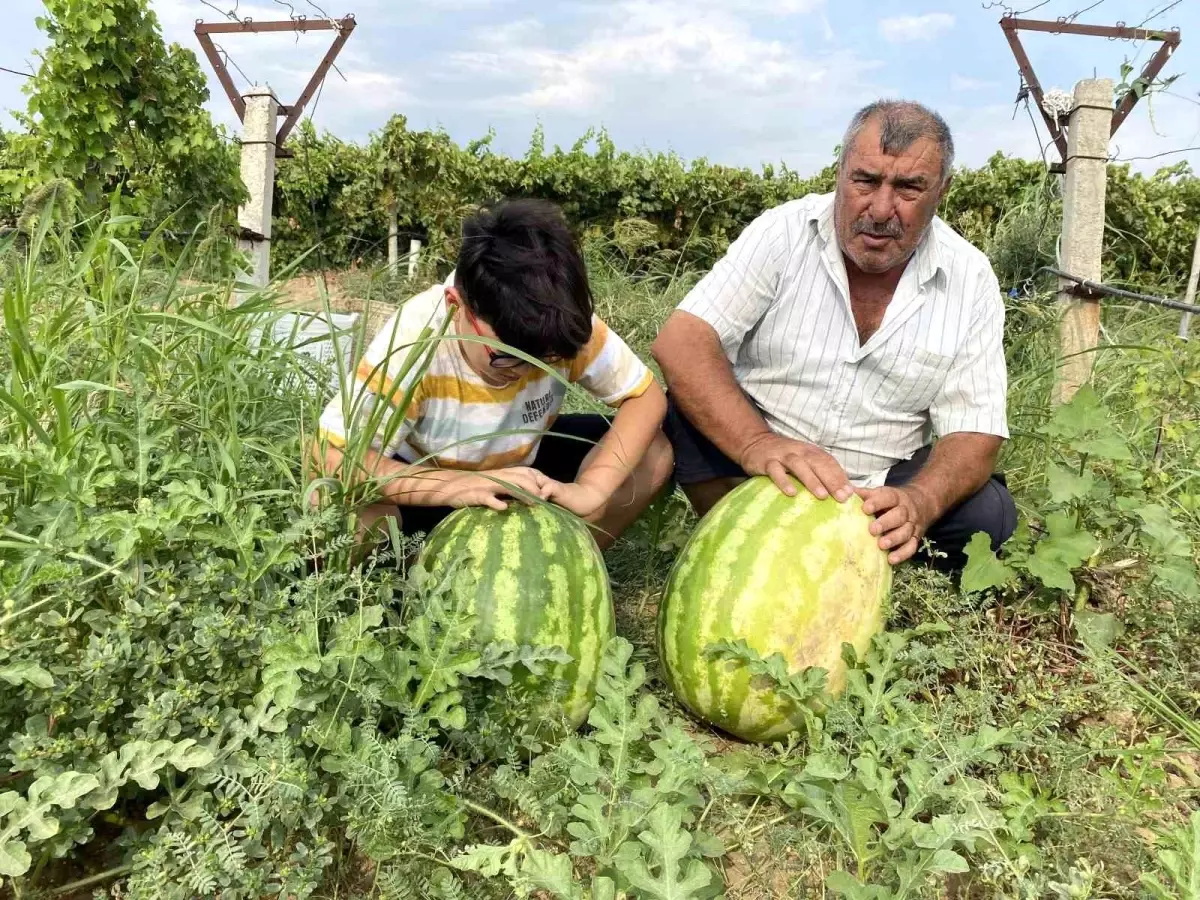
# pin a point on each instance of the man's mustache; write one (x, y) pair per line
(891, 228)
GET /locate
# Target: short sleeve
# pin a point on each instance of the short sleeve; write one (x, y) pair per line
(739, 289)
(608, 369)
(974, 396)
(381, 394)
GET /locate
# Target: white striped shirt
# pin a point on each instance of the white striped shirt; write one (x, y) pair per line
(451, 418)
(780, 302)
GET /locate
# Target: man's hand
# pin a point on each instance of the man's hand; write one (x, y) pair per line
(902, 516)
(486, 488)
(776, 456)
(579, 497)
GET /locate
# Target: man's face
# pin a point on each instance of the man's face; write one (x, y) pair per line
(884, 203)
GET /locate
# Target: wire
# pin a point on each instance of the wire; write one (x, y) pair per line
(15, 72)
(1183, 97)
(1155, 15)
(1075, 15)
(230, 14)
(1154, 155)
(230, 62)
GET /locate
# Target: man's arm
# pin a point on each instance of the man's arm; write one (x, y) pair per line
(958, 466)
(703, 385)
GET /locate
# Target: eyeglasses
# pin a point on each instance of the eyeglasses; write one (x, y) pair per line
(496, 359)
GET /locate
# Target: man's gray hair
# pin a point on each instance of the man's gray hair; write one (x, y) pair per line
(903, 122)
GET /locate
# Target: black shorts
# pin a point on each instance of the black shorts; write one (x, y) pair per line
(560, 454)
(697, 459)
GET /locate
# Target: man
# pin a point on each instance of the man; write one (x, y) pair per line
(836, 335)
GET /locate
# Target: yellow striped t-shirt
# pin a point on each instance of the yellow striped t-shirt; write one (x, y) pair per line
(452, 417)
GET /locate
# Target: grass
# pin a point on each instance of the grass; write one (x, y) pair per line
(152, 529)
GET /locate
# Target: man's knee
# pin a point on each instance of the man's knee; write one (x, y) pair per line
(660, 462)
(992, 511)
(704, 495)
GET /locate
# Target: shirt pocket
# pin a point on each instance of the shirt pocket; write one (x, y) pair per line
(908, 380)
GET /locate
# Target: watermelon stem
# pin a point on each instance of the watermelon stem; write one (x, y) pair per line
(495, 817)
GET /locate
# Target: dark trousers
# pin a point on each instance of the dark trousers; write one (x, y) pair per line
(990, 509)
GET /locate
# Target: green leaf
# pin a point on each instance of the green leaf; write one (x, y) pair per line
(488, 860)
(1078, 417)
(1065, 485)
(1160, 527)
(61, 790)
(14, 859)
(947, 861)
(984, 570)
(1179, 577)
(552, 872)
(26, 673)
(1110, 446)
(669, 874)
(1056, 556)
(1097, 630)
(187, 755)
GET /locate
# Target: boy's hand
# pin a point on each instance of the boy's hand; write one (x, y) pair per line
(486, 488)
(580, 498)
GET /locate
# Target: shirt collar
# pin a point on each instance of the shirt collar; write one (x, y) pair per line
(926, 257)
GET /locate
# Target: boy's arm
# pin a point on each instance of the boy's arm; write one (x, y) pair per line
(406, 484)
(612, 461)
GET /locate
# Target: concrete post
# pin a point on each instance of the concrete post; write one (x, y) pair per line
(414, 255)
(1185, 323)
(258, 174)
(1083, 229)
(393, 238)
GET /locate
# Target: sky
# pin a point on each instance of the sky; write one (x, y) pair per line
(739, 82)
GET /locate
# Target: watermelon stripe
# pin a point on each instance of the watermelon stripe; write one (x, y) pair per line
(541, 580)
(797, 576)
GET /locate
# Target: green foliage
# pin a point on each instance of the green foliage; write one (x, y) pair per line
(1098, 508)
(656, 203)
(112, 108)
(1179, 858)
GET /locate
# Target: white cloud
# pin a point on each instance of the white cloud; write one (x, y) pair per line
(902, 29)
(640, 46)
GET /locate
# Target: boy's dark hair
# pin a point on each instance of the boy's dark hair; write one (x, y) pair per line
(521, 271)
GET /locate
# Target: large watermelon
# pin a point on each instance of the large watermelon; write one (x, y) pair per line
(540, 581)
(792, 575)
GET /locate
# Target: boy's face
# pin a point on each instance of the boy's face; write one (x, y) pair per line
(479, 356)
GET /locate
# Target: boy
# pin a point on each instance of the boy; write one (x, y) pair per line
(481, 424)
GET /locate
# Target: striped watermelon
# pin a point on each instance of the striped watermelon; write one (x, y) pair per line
(793, 575)
(541, 581)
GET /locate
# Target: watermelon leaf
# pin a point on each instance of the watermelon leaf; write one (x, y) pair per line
(658, 867)
(805, 688)
(499, 658)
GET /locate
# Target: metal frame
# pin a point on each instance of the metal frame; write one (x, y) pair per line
(1011, 25)
(301, 24)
